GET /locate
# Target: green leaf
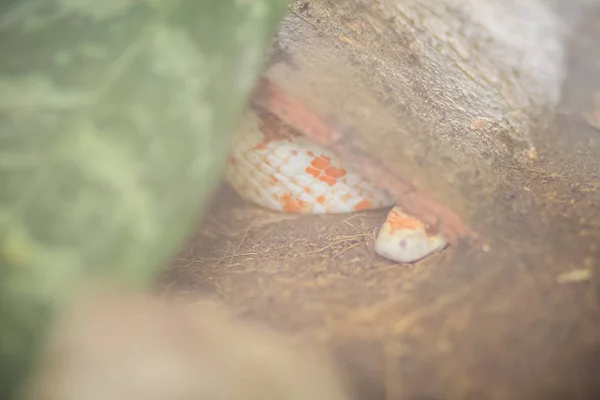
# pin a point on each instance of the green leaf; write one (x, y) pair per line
(115, 118)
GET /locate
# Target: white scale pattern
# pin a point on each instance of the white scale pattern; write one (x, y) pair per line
(271, 173)
(265, 173)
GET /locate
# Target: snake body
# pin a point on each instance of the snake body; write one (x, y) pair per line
(276, 167)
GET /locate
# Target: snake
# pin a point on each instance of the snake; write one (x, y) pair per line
(276, 167)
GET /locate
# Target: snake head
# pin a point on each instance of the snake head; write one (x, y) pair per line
(405, 239)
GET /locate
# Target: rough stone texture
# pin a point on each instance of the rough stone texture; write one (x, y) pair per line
(444, 93)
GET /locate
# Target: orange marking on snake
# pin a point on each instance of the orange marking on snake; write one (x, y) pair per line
(321, 199)
(335, 172)
(328, 180)
(292, 204)
(363, 205)
(314, 172)
(320, 163)
(274, 180)
(321, 168)
(398, 222)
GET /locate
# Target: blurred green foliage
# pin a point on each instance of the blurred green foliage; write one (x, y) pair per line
(115, 117)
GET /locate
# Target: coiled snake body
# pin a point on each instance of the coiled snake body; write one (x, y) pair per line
(278, 168)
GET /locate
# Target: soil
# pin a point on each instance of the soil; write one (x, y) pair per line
(513, 315)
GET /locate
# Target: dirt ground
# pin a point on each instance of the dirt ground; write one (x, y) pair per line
(514, 316)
